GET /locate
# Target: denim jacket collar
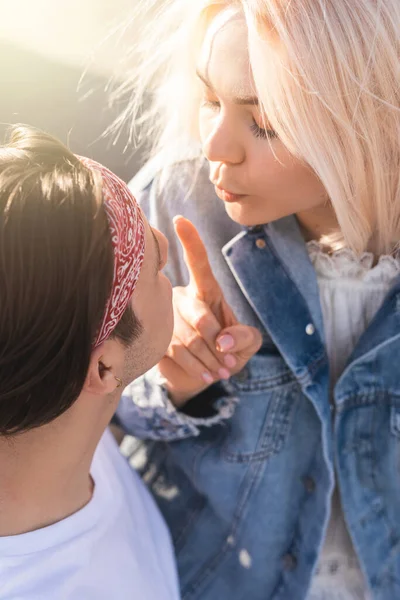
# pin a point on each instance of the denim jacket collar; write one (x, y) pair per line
(274, 258)
(286, 241)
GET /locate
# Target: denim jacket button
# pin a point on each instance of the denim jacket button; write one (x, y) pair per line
(289, 562)
(310, 329)
(309, 484)
(260, 243)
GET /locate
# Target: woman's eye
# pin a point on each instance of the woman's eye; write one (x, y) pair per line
(261, 133)
(213, 104)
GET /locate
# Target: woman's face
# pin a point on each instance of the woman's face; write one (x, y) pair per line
(253, 173)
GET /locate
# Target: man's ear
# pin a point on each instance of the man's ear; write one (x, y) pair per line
(101, 378)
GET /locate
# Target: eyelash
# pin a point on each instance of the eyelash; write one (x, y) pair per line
(257, 131)
(211, 104)
(261, 133)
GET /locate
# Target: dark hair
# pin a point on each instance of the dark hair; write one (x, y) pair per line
(56, 271)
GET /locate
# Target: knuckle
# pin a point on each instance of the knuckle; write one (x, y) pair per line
(212, 362)
(194, 343)
(174, 348)
(201, 322)
(179, 355)
(216, 365)
(194, 369)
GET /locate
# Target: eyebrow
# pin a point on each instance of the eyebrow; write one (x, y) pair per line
(241, 100)
(158, 251)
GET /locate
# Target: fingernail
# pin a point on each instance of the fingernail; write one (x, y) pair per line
(224, 373)
(225, 342)
(207, 378)
(230, 361)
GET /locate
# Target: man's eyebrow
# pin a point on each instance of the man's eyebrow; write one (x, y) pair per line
(241, 100)
(158, 251)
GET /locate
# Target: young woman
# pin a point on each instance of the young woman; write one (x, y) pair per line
(297, 108)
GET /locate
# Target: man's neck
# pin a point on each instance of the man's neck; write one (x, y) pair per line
(45, 473)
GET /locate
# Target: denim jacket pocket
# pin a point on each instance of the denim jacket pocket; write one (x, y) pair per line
(263, 372)
(267, 393)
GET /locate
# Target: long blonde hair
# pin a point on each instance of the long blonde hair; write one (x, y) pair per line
(327, 74)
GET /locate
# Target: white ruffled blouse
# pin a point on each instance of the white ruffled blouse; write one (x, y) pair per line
(352, 290)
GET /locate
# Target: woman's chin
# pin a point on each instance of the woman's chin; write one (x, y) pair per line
(242, 215)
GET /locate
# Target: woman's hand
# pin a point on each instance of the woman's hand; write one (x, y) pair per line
(208, 343)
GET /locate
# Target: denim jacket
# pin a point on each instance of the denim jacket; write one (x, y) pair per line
(247, 495)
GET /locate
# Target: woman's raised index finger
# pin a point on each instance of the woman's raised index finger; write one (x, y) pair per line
(196, 259)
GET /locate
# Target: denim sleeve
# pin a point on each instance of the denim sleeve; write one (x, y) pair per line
(146, 412)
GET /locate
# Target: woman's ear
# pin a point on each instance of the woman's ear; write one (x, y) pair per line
(101, 379)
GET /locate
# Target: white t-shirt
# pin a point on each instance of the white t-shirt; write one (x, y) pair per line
(115, 548)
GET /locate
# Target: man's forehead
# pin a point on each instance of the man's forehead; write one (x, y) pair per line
(224, 59)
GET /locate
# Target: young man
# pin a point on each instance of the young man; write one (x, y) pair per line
(85, 310)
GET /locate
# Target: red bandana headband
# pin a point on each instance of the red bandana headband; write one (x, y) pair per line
(128, 240)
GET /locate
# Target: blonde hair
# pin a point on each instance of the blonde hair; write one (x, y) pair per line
(327, 75)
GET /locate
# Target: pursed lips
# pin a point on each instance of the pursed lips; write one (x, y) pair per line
(227, 195)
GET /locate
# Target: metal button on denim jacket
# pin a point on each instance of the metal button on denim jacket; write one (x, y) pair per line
(247, 496)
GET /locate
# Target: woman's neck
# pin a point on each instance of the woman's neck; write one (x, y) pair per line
(317, 223)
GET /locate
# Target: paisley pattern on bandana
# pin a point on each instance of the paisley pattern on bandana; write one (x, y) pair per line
(128, 240)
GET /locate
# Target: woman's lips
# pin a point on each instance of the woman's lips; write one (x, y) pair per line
(228, 196)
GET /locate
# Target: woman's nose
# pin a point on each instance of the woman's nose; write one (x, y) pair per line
(223, 143)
